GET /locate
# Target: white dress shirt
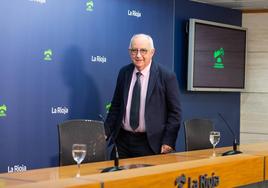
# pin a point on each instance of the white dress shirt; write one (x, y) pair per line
(144, 85)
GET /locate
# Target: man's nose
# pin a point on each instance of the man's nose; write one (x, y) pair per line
(139, 53)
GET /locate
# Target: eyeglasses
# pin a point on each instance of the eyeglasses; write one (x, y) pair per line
(142, 51)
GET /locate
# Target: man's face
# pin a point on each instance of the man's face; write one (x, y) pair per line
(141, 53)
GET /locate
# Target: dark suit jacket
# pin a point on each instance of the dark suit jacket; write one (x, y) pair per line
(162, 106)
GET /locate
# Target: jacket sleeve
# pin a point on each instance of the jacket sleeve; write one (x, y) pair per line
(116, 107)
(173, 110)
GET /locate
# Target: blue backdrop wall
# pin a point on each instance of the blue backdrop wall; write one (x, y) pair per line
(60, 59)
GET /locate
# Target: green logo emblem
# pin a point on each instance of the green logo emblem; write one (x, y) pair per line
(108, 107)
(218, 55)
(3, 110)
(48, 55)
(90, 5)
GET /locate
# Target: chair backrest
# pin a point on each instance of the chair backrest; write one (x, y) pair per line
(80, 131)
(197, 134)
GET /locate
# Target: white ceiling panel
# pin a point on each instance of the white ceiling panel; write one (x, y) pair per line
(238, 4)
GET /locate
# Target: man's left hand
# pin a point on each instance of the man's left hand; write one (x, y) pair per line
(166, 148)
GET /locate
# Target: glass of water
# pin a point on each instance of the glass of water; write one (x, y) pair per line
(79, 153)
(214, 138)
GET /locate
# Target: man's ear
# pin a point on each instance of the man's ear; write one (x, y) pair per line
(152, 52)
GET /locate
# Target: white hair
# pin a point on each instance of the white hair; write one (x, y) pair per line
(151, 42)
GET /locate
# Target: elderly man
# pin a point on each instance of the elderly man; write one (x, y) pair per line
(145, 115)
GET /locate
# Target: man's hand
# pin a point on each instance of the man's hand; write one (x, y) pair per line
(166, 148)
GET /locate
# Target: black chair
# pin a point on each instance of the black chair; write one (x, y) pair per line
(197, 134)
(80, 131)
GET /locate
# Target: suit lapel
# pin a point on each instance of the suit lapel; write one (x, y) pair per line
(128, 77)
(152, 81)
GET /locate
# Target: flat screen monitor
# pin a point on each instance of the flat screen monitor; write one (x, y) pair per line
(216, 56)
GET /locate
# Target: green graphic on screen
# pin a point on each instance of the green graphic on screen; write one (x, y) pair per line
(3, 110)
(48, 55)
(90, 5)
(218, 56)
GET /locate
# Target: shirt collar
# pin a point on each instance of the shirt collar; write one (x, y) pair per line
(145, 71)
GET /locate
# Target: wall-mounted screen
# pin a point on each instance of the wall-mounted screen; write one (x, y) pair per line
(216, 56)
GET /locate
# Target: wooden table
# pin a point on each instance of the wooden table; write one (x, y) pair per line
(56, 173)
(245, 168)
(260, 149)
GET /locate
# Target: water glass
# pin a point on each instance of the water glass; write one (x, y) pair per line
(79, 153)
(214, 138)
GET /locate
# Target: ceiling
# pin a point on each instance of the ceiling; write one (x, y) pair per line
(238, 4)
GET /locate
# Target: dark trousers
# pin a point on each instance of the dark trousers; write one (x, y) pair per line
(132, 145)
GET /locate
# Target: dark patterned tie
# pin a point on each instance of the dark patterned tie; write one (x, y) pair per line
(135, 103)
